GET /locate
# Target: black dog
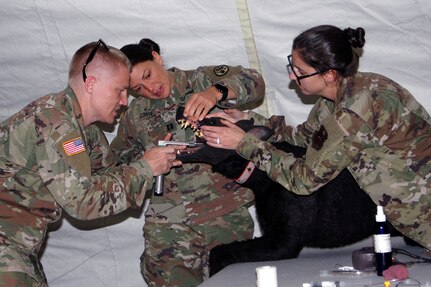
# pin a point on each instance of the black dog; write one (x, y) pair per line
(338, 214)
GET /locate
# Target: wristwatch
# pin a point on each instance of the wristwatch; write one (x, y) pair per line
(223, 90)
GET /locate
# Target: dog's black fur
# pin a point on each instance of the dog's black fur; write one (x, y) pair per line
(338, 214)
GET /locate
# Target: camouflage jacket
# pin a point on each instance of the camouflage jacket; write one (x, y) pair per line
(50, 162)
(192, 193)
(378, 131)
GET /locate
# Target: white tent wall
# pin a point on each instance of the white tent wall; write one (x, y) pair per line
(39, 37)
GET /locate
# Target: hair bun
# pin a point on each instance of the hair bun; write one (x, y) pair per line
(356, 37)
(150, 44)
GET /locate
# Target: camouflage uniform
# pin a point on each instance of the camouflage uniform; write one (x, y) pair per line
(378, 131)
(199, 209)
(48, 162)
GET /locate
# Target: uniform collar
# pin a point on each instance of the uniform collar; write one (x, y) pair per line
(72, 103)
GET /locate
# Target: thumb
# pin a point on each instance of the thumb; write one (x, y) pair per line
(168, 136)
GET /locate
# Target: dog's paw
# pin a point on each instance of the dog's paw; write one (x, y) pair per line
(218, 260)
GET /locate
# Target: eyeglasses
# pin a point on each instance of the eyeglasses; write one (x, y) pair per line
(291, 69)
(91, 56)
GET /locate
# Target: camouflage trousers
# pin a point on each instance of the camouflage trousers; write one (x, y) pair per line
(177, 254)
(19, 279)
(18, 267)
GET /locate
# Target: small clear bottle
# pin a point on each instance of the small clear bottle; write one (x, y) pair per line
(382, 243)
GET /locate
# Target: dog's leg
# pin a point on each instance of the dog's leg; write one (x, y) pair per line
(264, 248)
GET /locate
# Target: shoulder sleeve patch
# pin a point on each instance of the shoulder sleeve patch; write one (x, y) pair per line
(72, 149)
(319, 138)
(221, 70)
(74, 146)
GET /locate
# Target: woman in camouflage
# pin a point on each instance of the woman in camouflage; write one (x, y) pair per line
(362, 121)
(199, 209)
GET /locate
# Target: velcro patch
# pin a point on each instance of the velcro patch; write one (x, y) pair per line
(221, 70)
(74, 146)
(319, 137)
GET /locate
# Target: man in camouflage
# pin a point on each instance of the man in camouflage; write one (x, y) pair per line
(385, 147)
(53, 157)
(199, 209)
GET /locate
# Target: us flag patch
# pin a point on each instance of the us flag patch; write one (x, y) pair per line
(74, 146)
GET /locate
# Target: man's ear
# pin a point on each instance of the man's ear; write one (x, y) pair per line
(89, 84)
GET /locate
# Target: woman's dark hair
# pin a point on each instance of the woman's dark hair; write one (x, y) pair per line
(138, 53)
(328, 47)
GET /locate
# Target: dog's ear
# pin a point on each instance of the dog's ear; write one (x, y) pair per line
(246, 125)
(261, 132)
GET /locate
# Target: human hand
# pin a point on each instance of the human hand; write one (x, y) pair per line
(162, 159)
(199, 104)
(232, 115)
(227, 137)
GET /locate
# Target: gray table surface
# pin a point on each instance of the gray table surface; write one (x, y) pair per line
(316, 265)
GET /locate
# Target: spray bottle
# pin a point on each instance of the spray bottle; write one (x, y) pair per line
(382, 243)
